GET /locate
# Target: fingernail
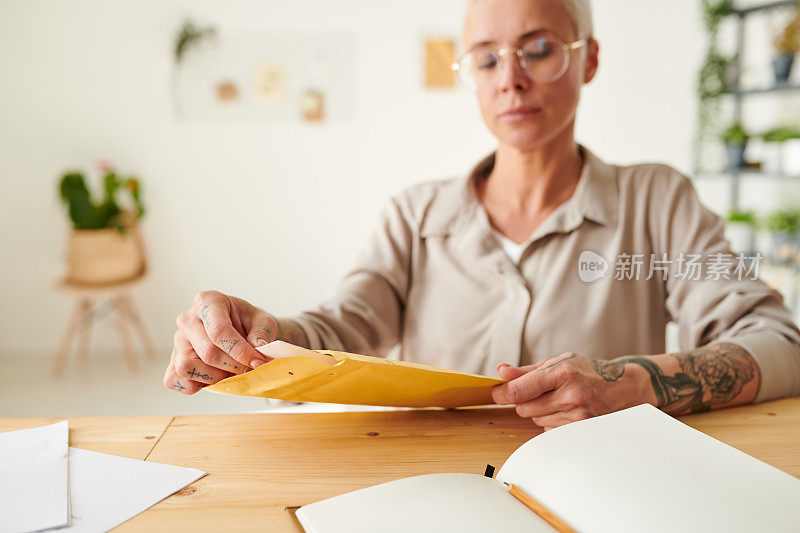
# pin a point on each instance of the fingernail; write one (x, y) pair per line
(502, 364)
(260, 342)
(255, 363)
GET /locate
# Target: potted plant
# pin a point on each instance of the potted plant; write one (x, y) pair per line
(786, 139)
(717, 74)
(735, 139)
(787, 44)
(104, 246)
(784, 226)
(780, 134)
(740, 229)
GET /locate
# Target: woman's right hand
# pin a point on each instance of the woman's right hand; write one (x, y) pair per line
(216, 339)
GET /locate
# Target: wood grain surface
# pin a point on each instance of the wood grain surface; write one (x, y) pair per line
(262, 465)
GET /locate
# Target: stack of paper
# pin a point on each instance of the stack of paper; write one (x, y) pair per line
(45, 484)
(33, 478)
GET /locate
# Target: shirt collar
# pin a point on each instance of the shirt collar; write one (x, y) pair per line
(595, 198)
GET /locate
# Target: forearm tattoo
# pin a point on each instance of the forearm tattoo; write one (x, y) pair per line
(708, 377)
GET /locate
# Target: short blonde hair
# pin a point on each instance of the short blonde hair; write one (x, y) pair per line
(581, 13)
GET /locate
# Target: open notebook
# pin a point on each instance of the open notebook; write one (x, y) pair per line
(630, 471)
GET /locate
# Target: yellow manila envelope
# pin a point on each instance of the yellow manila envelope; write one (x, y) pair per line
(300, 375)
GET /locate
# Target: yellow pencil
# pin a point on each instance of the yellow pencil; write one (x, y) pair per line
(538, 508)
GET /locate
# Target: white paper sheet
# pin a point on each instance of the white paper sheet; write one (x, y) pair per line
(642, 470)
(33, 478)
(107, 490)
(429, 503)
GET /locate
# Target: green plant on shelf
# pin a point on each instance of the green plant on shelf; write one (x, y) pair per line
(712, 79)
(713, 13)
(784, 222)
(735, 135)
(780, 134)
(87, 213)
(742, 217)
(711, 83)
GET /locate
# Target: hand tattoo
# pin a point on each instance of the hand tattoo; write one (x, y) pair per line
(265, 329)
(570, 356)
(227, 345)
(204, 314)
(195, 374)
(178, 384)
(609, 370)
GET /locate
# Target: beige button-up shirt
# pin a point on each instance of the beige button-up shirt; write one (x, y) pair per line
(601, 276)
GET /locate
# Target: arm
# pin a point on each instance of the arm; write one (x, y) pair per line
(365, 313)
(217, 336)
(719, 375)
(734, 309)
(573, 387)
(739, 341)
(291, 332)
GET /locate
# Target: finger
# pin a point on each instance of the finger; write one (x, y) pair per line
(184, 386)
(526, 387)
(215, 315)
(509, 372)
(191, 337)
(547, 404)
(192, 340)
(561, 418)
(261, 329)
(189, 365)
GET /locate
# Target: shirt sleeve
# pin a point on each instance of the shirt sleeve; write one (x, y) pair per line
(742, 311)
(365, 312)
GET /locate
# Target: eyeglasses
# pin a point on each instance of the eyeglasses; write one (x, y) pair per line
(543, 58)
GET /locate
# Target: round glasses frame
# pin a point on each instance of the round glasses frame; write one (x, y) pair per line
(457, 65)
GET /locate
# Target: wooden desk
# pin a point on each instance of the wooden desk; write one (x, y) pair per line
(260, 464)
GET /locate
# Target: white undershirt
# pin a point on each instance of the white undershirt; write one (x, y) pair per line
(512, 249)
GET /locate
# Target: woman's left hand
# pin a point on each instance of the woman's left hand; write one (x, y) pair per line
(571, 387)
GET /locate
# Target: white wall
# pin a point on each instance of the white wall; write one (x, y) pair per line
(272, 213)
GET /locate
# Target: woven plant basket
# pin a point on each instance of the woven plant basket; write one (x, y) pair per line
(103, 256)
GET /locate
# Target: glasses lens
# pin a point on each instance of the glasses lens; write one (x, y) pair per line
(478, 66)
(544, 58)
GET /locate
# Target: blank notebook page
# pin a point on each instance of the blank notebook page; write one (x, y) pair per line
(642, 470)
(432, 503)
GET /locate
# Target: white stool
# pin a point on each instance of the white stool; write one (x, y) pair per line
(90, 302)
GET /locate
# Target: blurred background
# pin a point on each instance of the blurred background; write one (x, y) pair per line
(247, 147)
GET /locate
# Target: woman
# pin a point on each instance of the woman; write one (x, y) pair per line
(542, 250)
